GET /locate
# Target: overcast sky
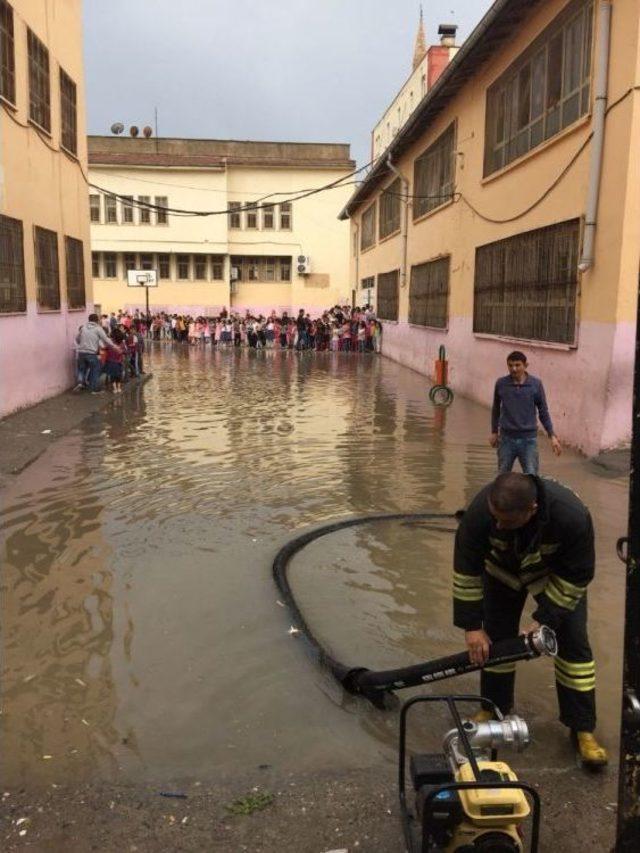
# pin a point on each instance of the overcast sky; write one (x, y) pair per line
(284, 70)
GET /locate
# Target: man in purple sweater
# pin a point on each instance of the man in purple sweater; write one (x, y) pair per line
(518, 400)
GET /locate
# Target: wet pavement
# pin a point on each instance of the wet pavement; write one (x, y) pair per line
(141, 632)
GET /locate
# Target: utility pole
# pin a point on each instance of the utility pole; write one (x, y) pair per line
(628, 829)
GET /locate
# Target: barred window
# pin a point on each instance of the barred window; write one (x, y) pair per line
(543, 91)
(200, 267)
(286, 216)
(217, 267)
(525, 286)
(388, 295)
(47, 270)
(39, 97)
(94, 208)
(110, 209)
(162, 217)
(268, 217)
(74, 254)
(429, 294)
(110, 265)
(252, 218)
(127, 209)
(433, 174)
(130, 262)
(95, 264)
(146, 261)
(389, 216)
(7, 54)
(183, 267)
(270, 269)
(368, 284)
(68, 113)
(235, 217)
(164, 266)
(285, 269)
(13, 294)
(145, 212)
(368, 228)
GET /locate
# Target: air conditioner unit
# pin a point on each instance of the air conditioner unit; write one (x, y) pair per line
(304, 264)
(235, 273)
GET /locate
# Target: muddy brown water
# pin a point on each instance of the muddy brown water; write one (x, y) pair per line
(141, 632)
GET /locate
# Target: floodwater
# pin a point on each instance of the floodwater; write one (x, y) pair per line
(142, 637)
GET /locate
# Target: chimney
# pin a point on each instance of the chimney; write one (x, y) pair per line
(439, 55)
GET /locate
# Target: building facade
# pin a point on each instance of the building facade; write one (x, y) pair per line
(45, 286)
(262, 248)
(476, 227)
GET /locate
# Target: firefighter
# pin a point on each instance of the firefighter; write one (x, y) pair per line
(526, 535)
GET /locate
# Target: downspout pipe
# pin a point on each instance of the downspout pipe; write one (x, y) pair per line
(405, 221)
(597, 143)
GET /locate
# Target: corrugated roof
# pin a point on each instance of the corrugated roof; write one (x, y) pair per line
(489, 35)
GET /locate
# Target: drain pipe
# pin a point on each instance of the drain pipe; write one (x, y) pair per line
(597, 143)
(405, 223)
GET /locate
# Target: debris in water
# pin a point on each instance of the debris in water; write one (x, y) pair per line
(280, 603)
(46, 432)
(80, 682)
(176, 794)
(22, 832)
(22, 820)
(47, 757)
(28, 678)
(294, 631)
(84, 721)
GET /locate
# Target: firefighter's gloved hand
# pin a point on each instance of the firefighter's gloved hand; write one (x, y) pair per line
(478, 644)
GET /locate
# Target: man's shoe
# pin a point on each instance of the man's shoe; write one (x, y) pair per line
(590, 753)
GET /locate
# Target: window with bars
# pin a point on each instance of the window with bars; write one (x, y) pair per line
(235, 217)
(525, 286)
(252, 219)
(261, 268)
(7, 54)
(389, 214)
(144, 212)
(68, 113)
(200, 267)
(368, 283)
(368, 228)
(429, 294)
(95, 264)
(146, 261)
(268, 217)
(129, 262)
(543, 91)
(127, 209)
(182, 262)
(217, 267)
(164, 266)
(162, 217)
(94, 208)
(110, 265)
(270, 269)
(39, 94)
(13, 294)
(47, 269)
(285, 269)
(74, 256)
(388, 295)
(433, 174)
(110, 209)
(286, 216)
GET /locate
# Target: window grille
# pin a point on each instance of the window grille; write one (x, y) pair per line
(268, 217)
(162, 217)
(235, 217)
(252, 219)
(285, 269)
(389, 216)
(74, 255)
(217, 267)
(95, 265)
(130, 262)
(146, 261)
(183, 267)
(94, 208)
(7, 53)
(543, 91)
(525, 286)
(110, 209)
(68, 113)
(270, 269)
(127, 209)
(388, 295)
(39, 95)
(164, 266)
(200, 267)
(433, 174)
(47, 269)
(13, 294)
(368, 228)
(252, 269)
(429, 294)
(286, 216)
(110, 265)
(144, 212)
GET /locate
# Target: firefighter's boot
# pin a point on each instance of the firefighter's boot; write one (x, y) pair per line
(590, 753)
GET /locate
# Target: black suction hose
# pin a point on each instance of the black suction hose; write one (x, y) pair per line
(373, 685)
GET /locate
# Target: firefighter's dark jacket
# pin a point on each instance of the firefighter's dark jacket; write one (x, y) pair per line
(552, 556)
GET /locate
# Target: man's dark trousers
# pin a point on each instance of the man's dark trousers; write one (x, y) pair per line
(574, 665)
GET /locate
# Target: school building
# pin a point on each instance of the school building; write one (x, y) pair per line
(504, 213)
(269, 241)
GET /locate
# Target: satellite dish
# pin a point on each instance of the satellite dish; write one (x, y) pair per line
(117, 128)
(146, 132)
(134, 131)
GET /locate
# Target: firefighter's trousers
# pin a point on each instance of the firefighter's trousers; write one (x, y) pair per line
(574, 665)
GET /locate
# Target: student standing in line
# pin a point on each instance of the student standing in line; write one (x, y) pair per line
(518, 401)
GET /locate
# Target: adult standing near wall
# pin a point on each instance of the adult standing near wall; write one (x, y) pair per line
(89, 338)
(518, 400)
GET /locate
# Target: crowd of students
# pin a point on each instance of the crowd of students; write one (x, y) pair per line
(114, 348)
(341, 329)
